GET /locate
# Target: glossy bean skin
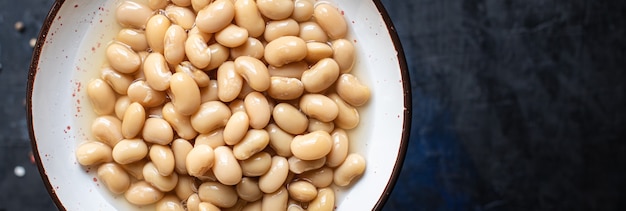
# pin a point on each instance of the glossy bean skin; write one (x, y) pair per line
(276, 176)
(297, 165)
(185, 94)
(279, 28)
(114, 177)
(275, 9)
(135, 169)
(254, 141)
(186, 186)
(157, 4)
(311, 146)
(285, 88)
(119, 82)
(218, 194)
(135, 39)
(197, 51)
(199, 160)
(248, 189)
(325, 200)
(256, 165)
(157, 131)
(252, 47)
(169, 203)
(209, 93)
(344, 54)
(302, 191)
(236, 105)
(157, 72)
(276, 200)
(180, 123)
(101, 96)
(236, 128)
(302, 10)
(213, 139)
(285, 50)
(197, 5)
(163, 159)
(331, 20)
(291, 70)
(226, 168)
(133, 14)
(352, 91)
(180, 149)
(254, 72)
(199, 76)
(289, 118)
(232, 36)
(142, 193)
(315, 125)
(193, 202)
(321, 76)
(181, 3)
(141, 92)
(253, 206)
(321, 177)
(92, 153)
(258, 110)
(215, 16)
(163, 183)
(229, 82)
(155, 32)
(174, 44)
(319, 107)
(312, 32)
(134, 118)
(247, 15)
(206, 206)
(352, 167)
(107, 129)
(339, 151)
(121, 104)
(181, 15)
(210, 116)
(317, 51)
(129, 150)
(219, 54)
(280, 141)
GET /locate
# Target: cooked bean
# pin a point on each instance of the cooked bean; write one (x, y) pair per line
(293, 205)
(163, 159)
(218, 194)
(197, 5)
(141, 92)
(291, 70)
(101, 96)
(197, 51)
(210, 116)
(93, 152)
(193, 202)
(248, 189)
(331, 20)
(280, 141)
(285, 50)
(206, 206)
(284, 88)
(156, 112)
(236, 105)
(174, 44)
(157, 4)
(236, 127)
(157, 72)
(114, 177)
(275, 9)
(163, 183)
(119, 82)
(315, 125)
(121, 104)
(343, 54)
(252, 47)
(213, 139)
(302, 191)
(339, 151)
(199, 160)
(317, 51)
(133, 121)
(276, 176)
(157, 131)
(302, 10)
(311, 146)
(181, 15)
(129, 150)
(107, 129)
(253, 206)
(290, 119)
(297, 165)
(135, 169)
(133, 14)
(254, 72)
(348, 116)
(142, 193)
(219, 54)
(200, 77)
(325, 200)
(209, 176)
(186, 186)
(210, 92)
(232, 36)
(134, 38)
(256, 165)
(179, 122)
(229, 82)
(321, 76)
(319, 107)
(155, 32)
(181, 3)
(245, 90)
(352, 90)
(215, 16)
(247, 16)
(279, 28)
(254, 141)
(185, 94)
(276, 200)
(169, 203)
(180, 149)
(226, 168)
(258, 110)
(312, 32)
(352, 167)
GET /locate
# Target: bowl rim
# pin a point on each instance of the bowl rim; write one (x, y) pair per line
(404, 71)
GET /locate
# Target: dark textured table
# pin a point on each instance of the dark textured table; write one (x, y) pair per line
(517, 105)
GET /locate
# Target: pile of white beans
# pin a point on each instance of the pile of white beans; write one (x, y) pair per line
(226, 104)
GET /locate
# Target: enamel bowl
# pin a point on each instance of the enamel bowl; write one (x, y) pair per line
(70, 50)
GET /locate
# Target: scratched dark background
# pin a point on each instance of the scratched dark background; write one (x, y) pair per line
(517, 105)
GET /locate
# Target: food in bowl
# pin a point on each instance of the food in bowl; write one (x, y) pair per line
(226, 104)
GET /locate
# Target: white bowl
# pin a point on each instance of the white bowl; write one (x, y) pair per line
(66, 57)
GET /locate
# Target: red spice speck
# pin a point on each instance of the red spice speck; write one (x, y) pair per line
(342, 12)
(57, 187)
(99, 44)
(68, 127)
(95, 179)
(100, 20)
(77, 102)
(354, 41)
(93, 49)
(76, 5)
(31, 157)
